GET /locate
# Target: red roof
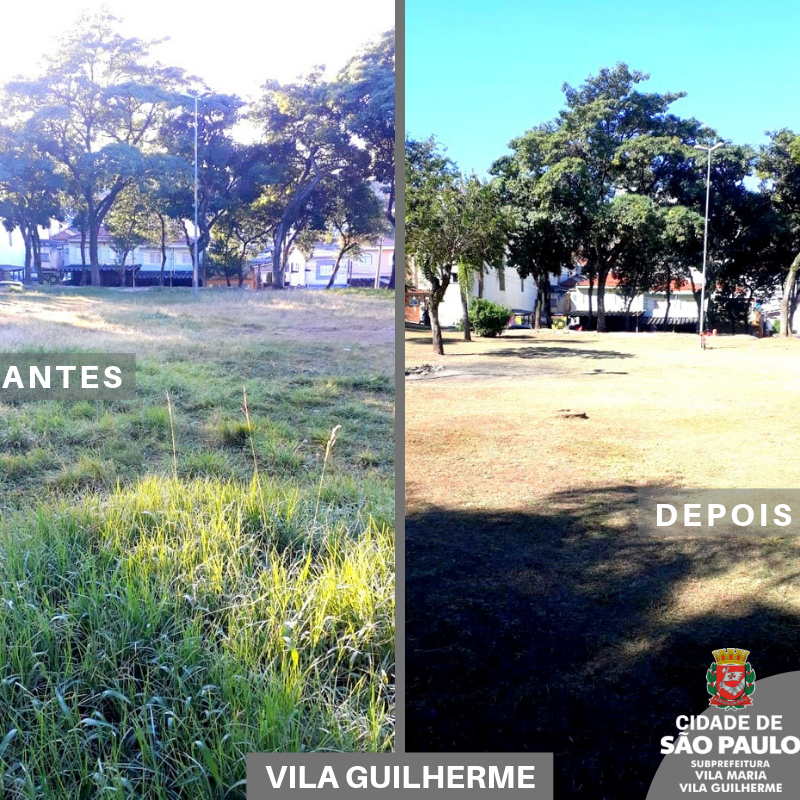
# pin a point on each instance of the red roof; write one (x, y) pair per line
(612, 283)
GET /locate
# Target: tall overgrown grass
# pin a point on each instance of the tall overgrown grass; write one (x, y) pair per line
(151, 638)
(182, 582)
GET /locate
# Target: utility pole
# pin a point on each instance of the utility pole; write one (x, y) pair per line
(710, 150)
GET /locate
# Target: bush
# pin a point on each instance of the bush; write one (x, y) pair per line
(488, 318)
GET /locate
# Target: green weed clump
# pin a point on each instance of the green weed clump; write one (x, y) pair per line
(151, 638)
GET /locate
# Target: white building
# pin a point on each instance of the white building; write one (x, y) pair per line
(315, 272)
(569, 297)
(503, 286)
(647, 310)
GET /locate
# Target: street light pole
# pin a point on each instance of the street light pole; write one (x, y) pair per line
(710, 150)
(195, 278)
(195, 253)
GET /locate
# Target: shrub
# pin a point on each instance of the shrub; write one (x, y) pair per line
(488, 318)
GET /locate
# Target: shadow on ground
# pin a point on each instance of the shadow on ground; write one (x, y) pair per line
(553, 632)
(556, 352)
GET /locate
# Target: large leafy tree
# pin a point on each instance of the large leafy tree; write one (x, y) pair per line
(539, 236)
(610, 139)
(366, 94)
(96, 109)
(639, 228)
(239, 234)
(308, 143)
(679, 251)
(779, 166)
(431, 178)
(30, 193)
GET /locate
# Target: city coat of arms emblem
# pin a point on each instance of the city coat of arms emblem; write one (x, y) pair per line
(731, 679)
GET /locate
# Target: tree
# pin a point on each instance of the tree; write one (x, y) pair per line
(779, 167)
(366, 94)
(29, 193)
(96, 109)
(430, 179)
(639, 228)
(308, 143)
(239, 235)
(539, 241)
(486, 224)
(126, 226)
(355, 217)
(679, 251)
(448, 220)
(610, 139)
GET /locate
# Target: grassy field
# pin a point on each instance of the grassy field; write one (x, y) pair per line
(164, 611)
(538, 619)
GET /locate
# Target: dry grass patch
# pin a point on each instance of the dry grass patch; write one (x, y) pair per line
(532, 603)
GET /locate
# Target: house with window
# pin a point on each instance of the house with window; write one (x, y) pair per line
(648, 311)
(143, 265)
(314, 272)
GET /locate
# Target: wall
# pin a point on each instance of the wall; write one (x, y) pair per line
(509, 291)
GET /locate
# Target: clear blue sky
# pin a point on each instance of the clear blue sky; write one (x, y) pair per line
(479, 72)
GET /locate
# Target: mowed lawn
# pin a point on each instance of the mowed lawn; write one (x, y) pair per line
(166, 609)
(537, 618)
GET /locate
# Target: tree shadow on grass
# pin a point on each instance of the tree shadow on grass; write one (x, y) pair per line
(555, 631)
(556, 352)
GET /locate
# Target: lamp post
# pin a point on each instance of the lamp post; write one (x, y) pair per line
(710, 150)
(195, 253)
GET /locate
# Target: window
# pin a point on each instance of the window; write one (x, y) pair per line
(295, 267)
(152, 258)
(501, 280)
(454, 277)
(186, 258)
(325, 270)
(366, 259)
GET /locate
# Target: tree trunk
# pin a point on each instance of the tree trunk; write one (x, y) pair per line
(37, 252)
(465, 312)
(788, 286)
(332, 279)
(94, 261)
(793, 304)
(537, 312)
(83, 254)
(436, 329)
(601, 300)
(480, 281)
(163, 247)
(277, 258)
(591, 286)
(544, 291)
(26, 237)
